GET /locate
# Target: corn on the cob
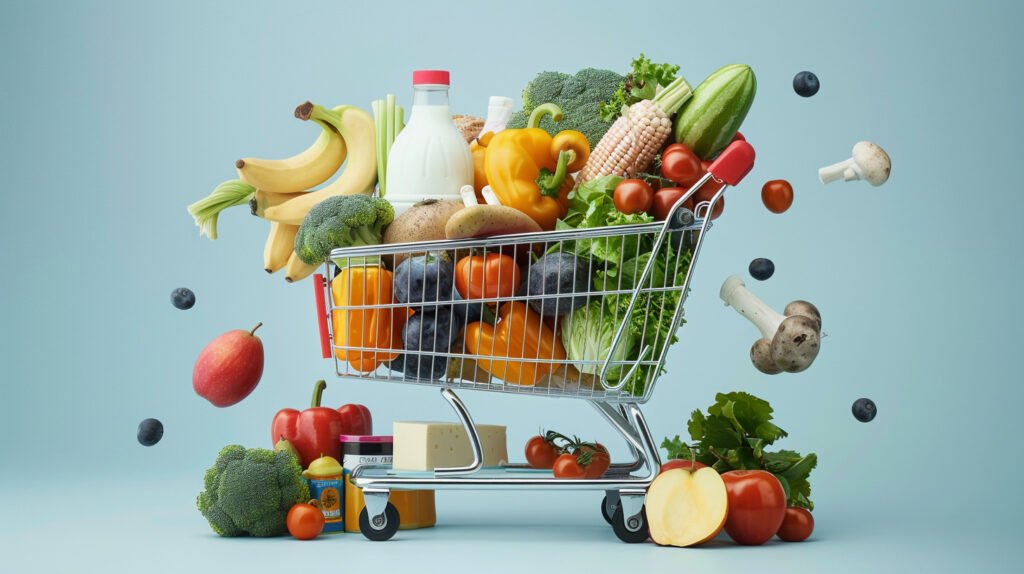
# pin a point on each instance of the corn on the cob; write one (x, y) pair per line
(634, 139)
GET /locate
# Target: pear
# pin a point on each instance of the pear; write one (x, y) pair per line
(286, 445)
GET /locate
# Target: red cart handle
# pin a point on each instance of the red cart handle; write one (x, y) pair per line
(733, 163)
(319, 285)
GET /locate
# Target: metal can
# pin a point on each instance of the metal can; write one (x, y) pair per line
(415, 507)
(324, 475)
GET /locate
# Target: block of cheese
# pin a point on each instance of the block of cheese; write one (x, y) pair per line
(421, 445)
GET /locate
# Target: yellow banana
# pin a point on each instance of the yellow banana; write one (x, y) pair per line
(360, 173)
(296, 269)
(308, 169)
(280, 245)
(260, 200)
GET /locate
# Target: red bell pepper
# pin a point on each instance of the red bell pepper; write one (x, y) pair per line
(314, 431)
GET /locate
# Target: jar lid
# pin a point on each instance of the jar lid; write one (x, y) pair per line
(366, 438)
(431, 77)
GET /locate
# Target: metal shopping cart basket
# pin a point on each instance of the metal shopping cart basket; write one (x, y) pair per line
(502, 333)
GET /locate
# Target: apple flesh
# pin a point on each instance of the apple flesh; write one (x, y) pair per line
(686, 507)
(682, 463)
(229, 367)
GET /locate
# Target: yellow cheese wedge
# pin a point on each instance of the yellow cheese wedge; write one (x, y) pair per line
(429, 445)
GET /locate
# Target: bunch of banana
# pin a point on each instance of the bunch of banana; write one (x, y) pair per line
(275, 189)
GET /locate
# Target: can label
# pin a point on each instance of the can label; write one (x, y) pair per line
(328, 492)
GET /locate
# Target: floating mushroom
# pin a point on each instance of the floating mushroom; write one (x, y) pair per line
(869, 162)
(790, 342)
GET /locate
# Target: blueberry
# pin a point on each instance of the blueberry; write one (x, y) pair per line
(761, 269)
(864, 410)
(424, 279)
(806, 84)
(150, 432)
(183, 298)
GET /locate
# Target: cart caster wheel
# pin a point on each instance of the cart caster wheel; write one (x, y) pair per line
(381, 532)
(638, 534)
(607, 510)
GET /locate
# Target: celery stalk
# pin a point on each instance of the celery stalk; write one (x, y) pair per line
(380, 123)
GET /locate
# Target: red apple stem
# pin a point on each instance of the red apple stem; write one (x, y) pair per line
(318, 393)
(258, 325)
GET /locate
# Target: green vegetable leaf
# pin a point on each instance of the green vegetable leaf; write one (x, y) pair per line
(696, 426)
(749, 413)
(676, 448)
(640, 84)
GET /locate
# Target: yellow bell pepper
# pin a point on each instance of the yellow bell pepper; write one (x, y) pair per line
(366, 329)
(479, 150)
(529, 170)
(520, 334)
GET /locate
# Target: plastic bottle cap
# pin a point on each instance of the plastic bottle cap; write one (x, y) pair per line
(431, 77)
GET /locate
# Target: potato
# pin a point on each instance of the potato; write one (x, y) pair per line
(423, 221)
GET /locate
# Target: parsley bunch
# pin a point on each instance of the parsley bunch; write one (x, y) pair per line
(734, 436)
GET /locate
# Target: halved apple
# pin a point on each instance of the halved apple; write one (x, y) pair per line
(686, 507)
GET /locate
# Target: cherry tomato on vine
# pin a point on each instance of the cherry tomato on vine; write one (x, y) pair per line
(567, 466)
(797, 526)
(633, 196)
(705, 193)
(599, 461)
(681, 165)
(777, 195)
(540, 453)
(665, 199)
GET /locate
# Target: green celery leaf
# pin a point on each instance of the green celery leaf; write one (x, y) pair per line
(696, 426)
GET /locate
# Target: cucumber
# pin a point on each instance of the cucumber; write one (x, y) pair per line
(719, 104)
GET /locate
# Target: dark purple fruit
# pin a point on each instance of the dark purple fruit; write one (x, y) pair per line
(150, 432)
(761, 269)
(183, 298)
(806, 84)
(864, 410)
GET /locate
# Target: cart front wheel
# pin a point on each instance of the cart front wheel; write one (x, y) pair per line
(382, 527)
(633, 532)
(607, 509)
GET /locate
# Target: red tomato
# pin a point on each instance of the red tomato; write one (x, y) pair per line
(487, 276)
(599, 460)
(540, 453)
(304, 521)
(705, 193)
(681, 463)
(704, 165)
(681, 165)
(757, 506)
(777, 195)
(665, 199)
(797, 525)
(566, 466)
(633, 196)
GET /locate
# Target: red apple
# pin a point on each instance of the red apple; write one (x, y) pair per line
(229, 368)
(757, 506)
(686, 507)
(682, 463)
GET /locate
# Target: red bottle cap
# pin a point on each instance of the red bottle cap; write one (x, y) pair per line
(431, 77)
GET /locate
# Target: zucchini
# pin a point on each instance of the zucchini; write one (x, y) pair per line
(708, 122)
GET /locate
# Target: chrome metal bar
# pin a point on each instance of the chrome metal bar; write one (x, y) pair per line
(471, 433)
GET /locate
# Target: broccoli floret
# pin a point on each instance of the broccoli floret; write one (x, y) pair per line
(249, 491)
(342, 221)
(580, 96)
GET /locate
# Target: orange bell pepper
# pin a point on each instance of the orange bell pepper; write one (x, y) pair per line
(529, 170)
(479, 150)
(366, 329)
(519, 334)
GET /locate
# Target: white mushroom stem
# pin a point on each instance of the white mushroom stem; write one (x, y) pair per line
(489, 196)
(845, 170)
(468, 195)
(736, 295)
(499, 112)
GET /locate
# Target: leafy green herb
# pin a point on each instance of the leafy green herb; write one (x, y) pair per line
(733, 436)
(640, 84)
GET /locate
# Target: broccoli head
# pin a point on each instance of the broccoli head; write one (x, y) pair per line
(342, 221)
(249, 491)
(579, 95)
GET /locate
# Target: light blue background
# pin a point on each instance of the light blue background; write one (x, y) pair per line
(115, 115)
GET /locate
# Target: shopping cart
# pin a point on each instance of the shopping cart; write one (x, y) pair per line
(637, 274)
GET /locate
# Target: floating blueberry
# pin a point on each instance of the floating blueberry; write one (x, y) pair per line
(761, 269)
(150, 432)
(806, 84)
(183, 298)
(864, 410)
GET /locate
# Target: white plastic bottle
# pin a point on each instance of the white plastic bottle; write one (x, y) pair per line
(429, 159)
